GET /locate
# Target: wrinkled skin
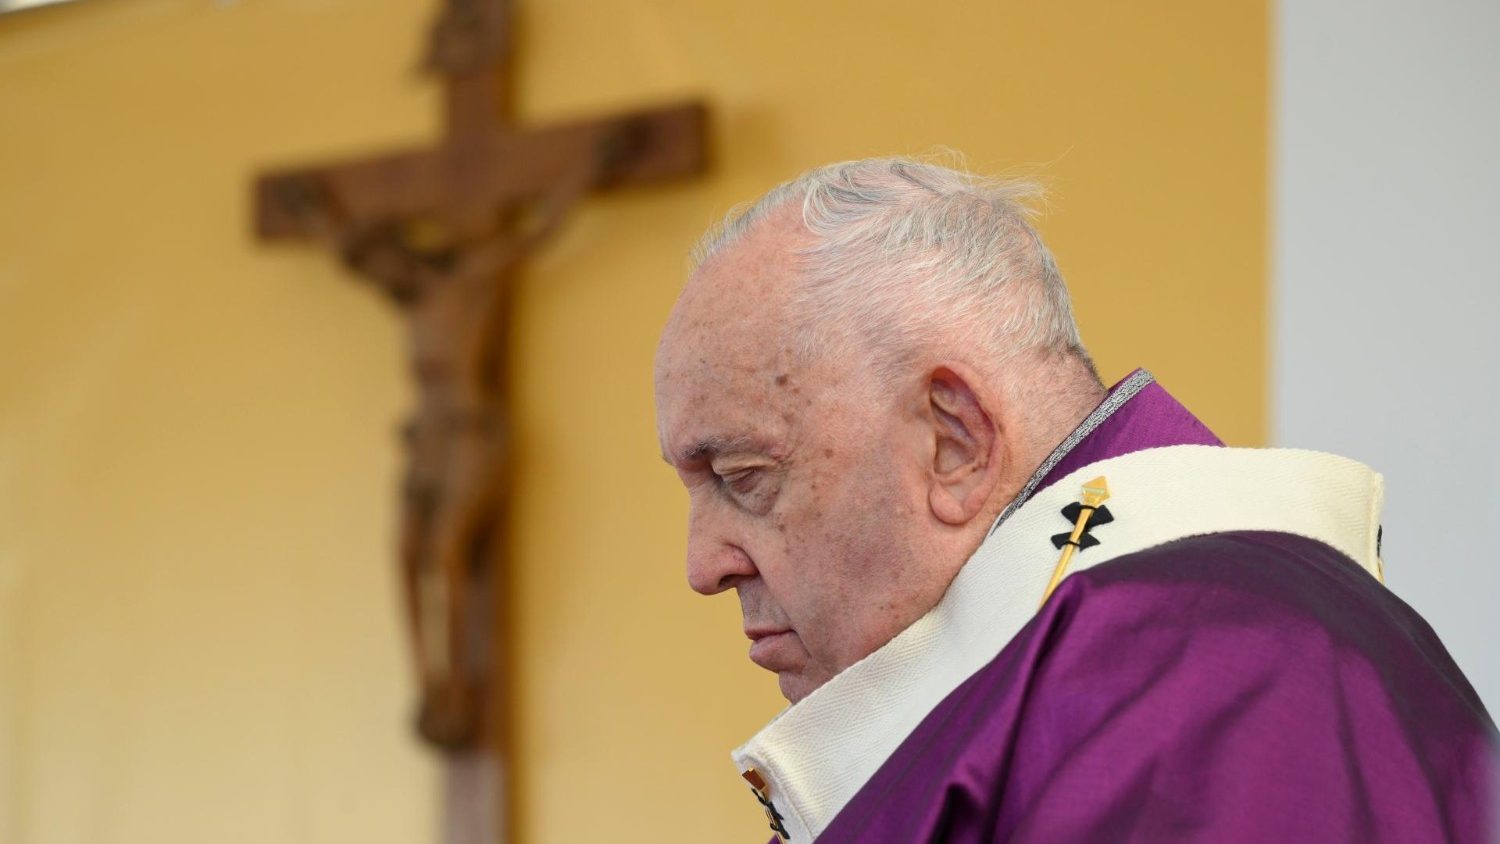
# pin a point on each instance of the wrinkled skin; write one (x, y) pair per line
(814, 493)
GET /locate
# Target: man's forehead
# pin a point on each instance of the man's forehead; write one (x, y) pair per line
(755, 272)
(718, 402)
(725, 356)
(715, 397)
(724, 330)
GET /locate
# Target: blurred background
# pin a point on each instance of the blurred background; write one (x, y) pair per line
(1282, 209)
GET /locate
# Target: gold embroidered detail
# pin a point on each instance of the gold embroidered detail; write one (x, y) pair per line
(1095, 493)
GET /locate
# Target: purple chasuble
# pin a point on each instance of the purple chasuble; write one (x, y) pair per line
(1249, 686)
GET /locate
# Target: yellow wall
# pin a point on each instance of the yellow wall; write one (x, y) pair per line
(196, 449)
(198, 632)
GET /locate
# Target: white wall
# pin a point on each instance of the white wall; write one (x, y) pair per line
(1386, 293)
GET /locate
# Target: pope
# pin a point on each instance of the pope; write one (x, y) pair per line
(1005, 602)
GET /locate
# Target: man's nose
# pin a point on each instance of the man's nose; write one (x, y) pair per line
(714, 563)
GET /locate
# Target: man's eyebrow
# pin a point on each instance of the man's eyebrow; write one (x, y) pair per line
(710, 447)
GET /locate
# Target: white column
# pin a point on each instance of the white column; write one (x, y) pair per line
(1386, 296)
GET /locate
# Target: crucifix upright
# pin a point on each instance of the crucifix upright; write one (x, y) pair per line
(442, 231)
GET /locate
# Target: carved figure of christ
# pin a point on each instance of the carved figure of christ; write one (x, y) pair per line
(443, 231)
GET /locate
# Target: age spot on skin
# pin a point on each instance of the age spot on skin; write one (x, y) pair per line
(781, 380)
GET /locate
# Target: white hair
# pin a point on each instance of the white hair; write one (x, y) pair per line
(906, 254)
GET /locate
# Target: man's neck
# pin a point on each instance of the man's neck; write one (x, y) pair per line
(1052, 419)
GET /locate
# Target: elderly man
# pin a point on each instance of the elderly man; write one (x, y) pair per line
(1008, 604)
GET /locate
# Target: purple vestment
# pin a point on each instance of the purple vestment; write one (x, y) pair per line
(1241, 686)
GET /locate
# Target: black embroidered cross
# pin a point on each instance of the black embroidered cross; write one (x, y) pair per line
(762, 791)
(1100, 516)
(774, 817)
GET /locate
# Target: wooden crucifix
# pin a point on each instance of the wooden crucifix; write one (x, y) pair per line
(442, 231)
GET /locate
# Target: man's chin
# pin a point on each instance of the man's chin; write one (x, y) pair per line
(784, 654)
(795, 685)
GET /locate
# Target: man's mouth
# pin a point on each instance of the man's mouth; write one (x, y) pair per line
(772, 649)
(756, 633)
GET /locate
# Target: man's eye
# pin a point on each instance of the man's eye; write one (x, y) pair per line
(740, 481)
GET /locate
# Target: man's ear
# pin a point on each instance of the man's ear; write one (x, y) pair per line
(965, 456)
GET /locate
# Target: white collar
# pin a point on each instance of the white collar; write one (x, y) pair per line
(817, 754)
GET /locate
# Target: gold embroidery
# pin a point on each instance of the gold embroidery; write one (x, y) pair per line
(1095, 492)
